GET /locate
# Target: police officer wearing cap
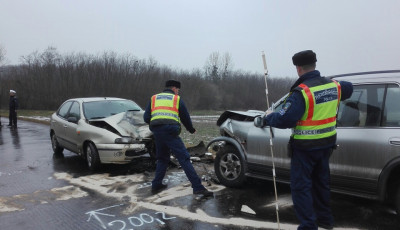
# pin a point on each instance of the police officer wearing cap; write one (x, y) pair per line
(310, 111)
(165, 112)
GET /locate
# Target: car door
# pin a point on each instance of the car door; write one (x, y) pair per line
(71, 135)
(59, 122)
(368, 128)
(259, 148)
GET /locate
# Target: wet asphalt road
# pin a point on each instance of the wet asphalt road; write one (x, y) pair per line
(40, 190)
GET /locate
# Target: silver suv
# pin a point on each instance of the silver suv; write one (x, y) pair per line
(366, 162)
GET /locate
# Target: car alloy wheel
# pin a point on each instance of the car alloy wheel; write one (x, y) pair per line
(229, 167)
(92, 157)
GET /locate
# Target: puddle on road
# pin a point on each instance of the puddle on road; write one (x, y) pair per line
(19, 202)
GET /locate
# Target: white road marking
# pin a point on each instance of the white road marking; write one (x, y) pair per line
(247, 209)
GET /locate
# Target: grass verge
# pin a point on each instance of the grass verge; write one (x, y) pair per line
(206, 129)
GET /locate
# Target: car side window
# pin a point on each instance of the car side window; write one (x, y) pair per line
(374, 105)
(391, 112)
(363, 108)
(279, 104)
(63, 111)
(74, 111)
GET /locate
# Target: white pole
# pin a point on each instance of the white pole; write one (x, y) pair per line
(271, 142)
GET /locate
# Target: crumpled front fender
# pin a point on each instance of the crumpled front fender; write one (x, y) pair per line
(230, 141)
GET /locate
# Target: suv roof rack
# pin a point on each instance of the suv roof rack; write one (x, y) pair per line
(364, 73)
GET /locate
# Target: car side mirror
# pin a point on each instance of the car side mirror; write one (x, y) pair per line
(72, 119)
(258, 122)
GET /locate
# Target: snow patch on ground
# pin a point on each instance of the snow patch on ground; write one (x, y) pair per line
(39, 118)
(130, 189)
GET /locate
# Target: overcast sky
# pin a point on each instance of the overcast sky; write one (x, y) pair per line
(347, 35)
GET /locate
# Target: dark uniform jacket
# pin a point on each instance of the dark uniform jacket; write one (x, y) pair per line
(183, 113)
(294, 107)
(13, 105)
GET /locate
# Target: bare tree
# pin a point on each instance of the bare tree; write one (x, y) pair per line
(226, 66)
(50, 56)
(48, 78)
(211, 68)
(3, 53)
(218, 68)
(2, 60)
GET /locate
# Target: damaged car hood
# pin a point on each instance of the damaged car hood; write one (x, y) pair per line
(248, 115)
(130, 123)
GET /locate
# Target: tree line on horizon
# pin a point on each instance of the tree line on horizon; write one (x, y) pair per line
(45, 79)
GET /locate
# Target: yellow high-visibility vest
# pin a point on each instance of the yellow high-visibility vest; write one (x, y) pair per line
(319, 118)
(165, 106)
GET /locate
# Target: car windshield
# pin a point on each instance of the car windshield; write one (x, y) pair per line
(106, 108)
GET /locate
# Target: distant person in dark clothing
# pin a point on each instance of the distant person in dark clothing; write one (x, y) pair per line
(164, 113)
(13, 109)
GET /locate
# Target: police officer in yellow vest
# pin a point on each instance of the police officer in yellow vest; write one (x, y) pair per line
(164, 113)
(310, 110)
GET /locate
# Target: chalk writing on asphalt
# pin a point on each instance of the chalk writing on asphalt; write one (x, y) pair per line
(131, 221)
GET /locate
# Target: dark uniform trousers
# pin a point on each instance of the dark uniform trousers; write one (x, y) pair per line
(12, 117)
(167, 138)
(310, 184)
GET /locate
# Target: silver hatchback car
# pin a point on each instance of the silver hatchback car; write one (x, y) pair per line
(102, 130)
(366, 162)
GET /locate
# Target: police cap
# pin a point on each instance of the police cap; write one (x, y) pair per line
(305, 57)
(171, 83)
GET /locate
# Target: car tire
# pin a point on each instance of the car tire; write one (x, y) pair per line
(57, 149)
(92, 157)
(397, 200)
(229, 167)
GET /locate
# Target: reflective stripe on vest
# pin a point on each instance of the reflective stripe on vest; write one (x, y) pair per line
(165, 106)
(319, 119)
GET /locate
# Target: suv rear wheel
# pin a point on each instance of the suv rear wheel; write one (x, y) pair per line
(229, 167)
